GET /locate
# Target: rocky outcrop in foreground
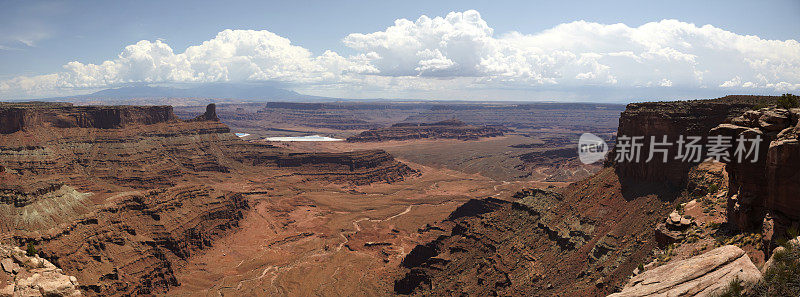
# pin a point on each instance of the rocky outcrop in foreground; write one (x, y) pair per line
(453, 129)
(23, 275)
(703, 275)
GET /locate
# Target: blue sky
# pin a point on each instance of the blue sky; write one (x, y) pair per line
(40, 37)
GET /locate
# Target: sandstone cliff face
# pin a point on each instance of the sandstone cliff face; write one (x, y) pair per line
(446, 129)
(164, 153)
(772, 184)
(16, 117)
(689, 118)
(783, 171)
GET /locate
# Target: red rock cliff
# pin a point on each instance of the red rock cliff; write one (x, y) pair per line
(772, 184)
(688, 118)
(19, 116)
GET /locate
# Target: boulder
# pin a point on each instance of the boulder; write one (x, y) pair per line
(774, 120)
(36, 277)
(33, 263)
(7, 291)
(703, 275)
(56, 284)
(671, 231)
(8, 265)
(674, 218)
(678, 222)
(771, 260)
(664, 236)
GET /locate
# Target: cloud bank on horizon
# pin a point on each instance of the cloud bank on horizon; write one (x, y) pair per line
(459, 51)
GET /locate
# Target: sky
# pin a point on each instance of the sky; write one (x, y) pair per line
(605, 51)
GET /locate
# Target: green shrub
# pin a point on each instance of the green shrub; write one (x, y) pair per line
(31, 250)
(792, 232)
(783, 277)
(760, 105)
(713, 188)
(788, 101)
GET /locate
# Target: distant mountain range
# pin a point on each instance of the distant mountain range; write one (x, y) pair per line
(203, 94)
(198, 95)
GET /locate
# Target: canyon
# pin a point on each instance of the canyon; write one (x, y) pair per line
(587, 238)
(118, 196)
(422, 199)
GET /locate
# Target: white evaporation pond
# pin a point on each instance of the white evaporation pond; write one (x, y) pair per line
(303, 138)
(242, 134)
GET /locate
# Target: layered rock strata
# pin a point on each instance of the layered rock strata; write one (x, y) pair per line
(453, 129)
(672, 229)
(117, 196)
(588, 239)
(583, 241)
(670, 119)
(26, 116)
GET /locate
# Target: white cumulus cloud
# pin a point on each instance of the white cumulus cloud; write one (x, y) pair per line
(459, 50)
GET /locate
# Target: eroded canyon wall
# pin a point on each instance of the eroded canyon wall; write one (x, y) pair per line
(582, 240)
(670, 119)
(770, 186)
(116, 196)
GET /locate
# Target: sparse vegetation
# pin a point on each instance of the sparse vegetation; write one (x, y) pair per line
(713, 188)
(734, 289)
(666, 254)
(760, 105)
(788, 101)
(792, 232)
(30, 250)
(693, 235)
(741, 240)
(783, 277)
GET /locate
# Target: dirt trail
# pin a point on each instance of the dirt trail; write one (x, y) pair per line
(292, 243)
